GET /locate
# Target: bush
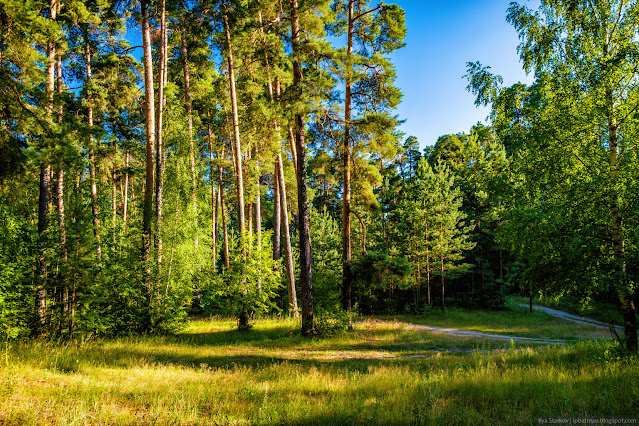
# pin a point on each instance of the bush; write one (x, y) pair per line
(329, 323)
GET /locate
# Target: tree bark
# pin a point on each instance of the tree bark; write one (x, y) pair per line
(41, 265)
(45, 192)
(288, 251)
(188, 104)
(257, 209)
(60, 197)
(363, 227)
(257, 212)
(347, 278)
(214, 198)
(441, 258)
(306, 254)
(291, 138)
(149, 112)
(220, 191)
(428, 272)
(114, 199)
(159, 139)
(125, 198)
(236, 134)
(277, 248)
(249, 224)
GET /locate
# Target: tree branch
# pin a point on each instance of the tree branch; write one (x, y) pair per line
(368, 11)
(361, 223)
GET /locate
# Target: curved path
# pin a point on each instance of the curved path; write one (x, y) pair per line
(554, 312)
(457, 332)
(470, 333)
(570, 317)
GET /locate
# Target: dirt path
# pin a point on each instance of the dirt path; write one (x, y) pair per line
(457, 332)
(554, 312)
(570, 317)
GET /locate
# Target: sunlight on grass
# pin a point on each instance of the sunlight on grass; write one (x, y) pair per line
(381, 373)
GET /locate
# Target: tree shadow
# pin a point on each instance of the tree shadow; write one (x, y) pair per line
(236, 337)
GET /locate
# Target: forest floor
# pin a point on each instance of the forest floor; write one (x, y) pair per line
(388, 370)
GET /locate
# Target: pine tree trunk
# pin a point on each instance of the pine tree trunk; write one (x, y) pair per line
(277, 251)
(189, 114)
(60, 198)
(257, 207)
(347, 278)
(428, 273)
(481, 257)
(236, 134)
(125, 198)
(214, 198)
(277, 248)
(41, 265)
(114, 200)
(45, 193)
(149, 112)
(306, 255)
(63, 241)
(249, 224)
(288, 250)
(442, 274)
(257, 212)
(220, 191)
(159, 139)
(291, 138)
(419, 282)
(92, 176)
(363, 228)
(441, 259)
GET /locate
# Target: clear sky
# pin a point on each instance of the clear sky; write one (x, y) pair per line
(441, 37)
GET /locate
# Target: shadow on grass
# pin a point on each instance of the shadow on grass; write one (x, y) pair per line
(341, 358)
(236, 337)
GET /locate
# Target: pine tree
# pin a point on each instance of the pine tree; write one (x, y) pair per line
(369, 94)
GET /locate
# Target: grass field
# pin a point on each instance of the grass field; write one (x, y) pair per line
(383, 372)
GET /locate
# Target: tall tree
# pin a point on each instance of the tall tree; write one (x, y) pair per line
(45, 184)
(91, 147)
(188, 105)
(159, 133)
(578, 118)
(368, 77)
(306, 256)
(449, 232)
(149, 120)
(237, 144)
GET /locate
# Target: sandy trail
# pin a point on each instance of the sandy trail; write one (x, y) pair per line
(570, 317)
(470, 333)
(554, 312)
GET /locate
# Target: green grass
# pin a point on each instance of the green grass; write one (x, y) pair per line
(381, 373)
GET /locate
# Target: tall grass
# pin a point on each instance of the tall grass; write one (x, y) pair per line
(378, 374)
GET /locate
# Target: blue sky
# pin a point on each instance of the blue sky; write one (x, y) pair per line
(441, 37)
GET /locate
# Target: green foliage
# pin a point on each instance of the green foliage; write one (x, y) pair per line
(327, 271)
(376, 277)
(329, 323)
(15, 271)
(249, 288)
